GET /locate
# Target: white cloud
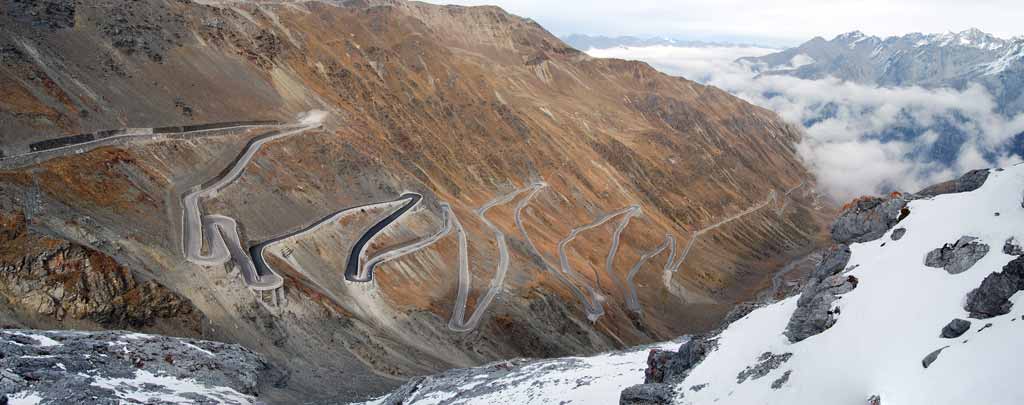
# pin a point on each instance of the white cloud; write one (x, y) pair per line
(852, 140)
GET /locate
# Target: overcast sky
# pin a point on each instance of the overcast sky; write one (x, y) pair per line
(773, 22)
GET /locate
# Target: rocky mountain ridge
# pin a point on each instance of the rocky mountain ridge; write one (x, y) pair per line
(955, 60)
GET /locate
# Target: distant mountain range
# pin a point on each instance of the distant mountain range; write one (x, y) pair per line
(928, 60)
(585, 42)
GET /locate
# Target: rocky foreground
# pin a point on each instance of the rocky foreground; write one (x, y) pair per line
(62, 367)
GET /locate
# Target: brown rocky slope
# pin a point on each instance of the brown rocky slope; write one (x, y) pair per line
(461, 105)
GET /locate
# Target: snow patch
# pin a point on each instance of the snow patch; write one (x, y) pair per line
(42, 341)
(147, 387)
(24, 398)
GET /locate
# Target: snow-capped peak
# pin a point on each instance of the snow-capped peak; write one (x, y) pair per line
(1013, 55)
(972, 38)
(850, 36)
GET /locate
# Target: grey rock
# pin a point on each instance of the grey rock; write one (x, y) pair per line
(874, 400)
(782, 380)
(698, 387)
(71, 366)
(992, 297)
(955, 328)
(826, 283)
(399, 396)
(931, 357)
(1013, 248)
(868, 218)
(958, 257)
(898, 233)
(647, 394)
(767, 362)
(834, 262)
(970, 181)
(672, 367)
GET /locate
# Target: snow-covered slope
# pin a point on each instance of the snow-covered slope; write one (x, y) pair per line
(891, 320)
(569, 380)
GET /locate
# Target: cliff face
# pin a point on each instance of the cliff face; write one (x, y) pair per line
(461, 105)
(45, 280)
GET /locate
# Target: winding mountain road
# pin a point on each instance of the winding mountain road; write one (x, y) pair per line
(353, 272)
(632, 303)
(609, 263)
(220, 233)
(258, 251)
(397, 252)
(673, 264)
(593, 307)
(129, 135)
(544, 261)
(458, 321)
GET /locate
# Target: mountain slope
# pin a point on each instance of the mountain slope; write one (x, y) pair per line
(512, 140)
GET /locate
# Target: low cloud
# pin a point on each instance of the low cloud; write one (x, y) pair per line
(859, 139)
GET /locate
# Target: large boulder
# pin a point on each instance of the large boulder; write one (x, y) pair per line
(826, 283)
(647, 394)
(957, 257)
(992, 297)
(970, 181)
(868, 218)
(671, 367)
(955, 328)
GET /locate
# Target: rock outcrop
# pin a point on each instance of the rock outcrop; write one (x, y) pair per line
(970, 181)
(931, 357)
(767, 362)
(1013, 248)
(992, 297)
(647, 394)
(671, 367)
(61, 280)
(111, 367)
(814, 313)
(868, 218)
(955, 328)
(957, 257)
